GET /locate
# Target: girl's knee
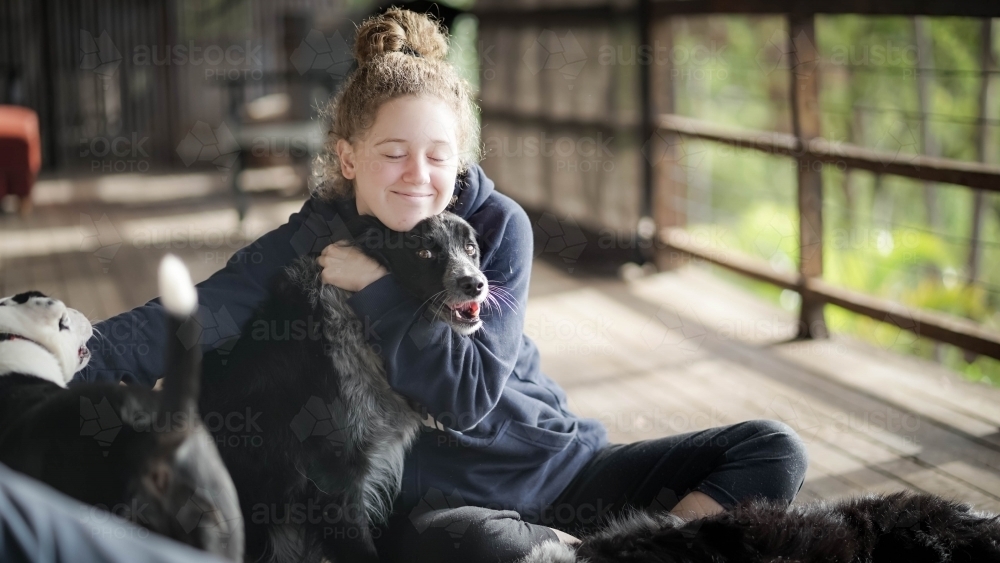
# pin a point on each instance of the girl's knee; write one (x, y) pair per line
(785, 444)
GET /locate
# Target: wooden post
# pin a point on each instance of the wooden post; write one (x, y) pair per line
(982, 142)
(669, 184)
(806, 126)
(925, 60)
(647, 127)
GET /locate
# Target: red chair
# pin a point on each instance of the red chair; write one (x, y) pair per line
(20, 153)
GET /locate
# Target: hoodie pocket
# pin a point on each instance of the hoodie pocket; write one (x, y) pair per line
(552, 439)
(456, 438)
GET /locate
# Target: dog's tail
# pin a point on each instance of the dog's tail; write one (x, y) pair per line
(179, 298)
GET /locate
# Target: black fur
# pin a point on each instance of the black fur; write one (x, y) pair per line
(22, 298)
(159, 469)
(332, 432)
(902, 527)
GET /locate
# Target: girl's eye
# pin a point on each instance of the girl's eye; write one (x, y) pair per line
(424, 253)
(399, 156)
(470, 249)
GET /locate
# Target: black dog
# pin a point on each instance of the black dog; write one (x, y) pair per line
(334, 433)
(901, 527)
(142, 454)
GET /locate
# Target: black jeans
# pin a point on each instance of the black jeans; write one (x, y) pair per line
(756, 458)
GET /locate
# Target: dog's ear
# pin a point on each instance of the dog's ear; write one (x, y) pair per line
(371, 236)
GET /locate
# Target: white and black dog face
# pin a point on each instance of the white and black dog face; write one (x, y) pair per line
(437, 262)
(41, 336)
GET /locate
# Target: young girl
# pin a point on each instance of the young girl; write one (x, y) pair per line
(507, 465)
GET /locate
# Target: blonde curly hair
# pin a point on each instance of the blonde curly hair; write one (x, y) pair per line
(399, 53)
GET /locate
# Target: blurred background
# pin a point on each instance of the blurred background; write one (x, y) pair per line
(758, 208)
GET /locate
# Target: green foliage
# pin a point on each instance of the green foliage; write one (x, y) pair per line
(892, 237)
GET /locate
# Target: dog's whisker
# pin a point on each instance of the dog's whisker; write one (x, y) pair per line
(510, 301)
(432, 297)
(491, 303)
(505, 296)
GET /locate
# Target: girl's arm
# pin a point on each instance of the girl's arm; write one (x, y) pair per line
(132, 345)
(458, 379)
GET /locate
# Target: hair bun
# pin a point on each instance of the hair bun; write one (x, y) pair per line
(399, 30)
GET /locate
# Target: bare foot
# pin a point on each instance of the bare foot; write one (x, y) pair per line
(695, 505)
(565, 538)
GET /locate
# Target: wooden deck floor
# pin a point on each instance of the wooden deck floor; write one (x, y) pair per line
(664, 354)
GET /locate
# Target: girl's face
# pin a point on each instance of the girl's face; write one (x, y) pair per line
(404, 167)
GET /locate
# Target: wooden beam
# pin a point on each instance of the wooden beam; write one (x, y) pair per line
(973, 9)
(942, 327)
(549, 123)
(944, 170)
(586, 16)
(598, 15)
(679, 240)
(804, 85)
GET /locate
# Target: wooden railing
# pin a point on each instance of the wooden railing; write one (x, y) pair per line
(808, 147)
(805, 144)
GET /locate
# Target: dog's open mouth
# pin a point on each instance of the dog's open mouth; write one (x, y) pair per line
(83, 353)
(467, 312)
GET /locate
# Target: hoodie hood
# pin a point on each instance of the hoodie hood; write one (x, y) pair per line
(472, 188)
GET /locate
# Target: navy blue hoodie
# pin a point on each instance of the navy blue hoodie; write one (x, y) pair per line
(504, 438)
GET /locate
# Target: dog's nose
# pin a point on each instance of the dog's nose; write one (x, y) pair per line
(470, 285)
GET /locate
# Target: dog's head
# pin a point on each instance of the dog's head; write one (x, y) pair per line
(437, 261)
(48, 323)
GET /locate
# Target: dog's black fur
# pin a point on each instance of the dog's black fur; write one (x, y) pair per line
(160, 469)
(329, 461)
(902, 527)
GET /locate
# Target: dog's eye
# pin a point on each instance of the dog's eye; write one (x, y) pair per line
(470, 249)
(64, 323)
(424, 253)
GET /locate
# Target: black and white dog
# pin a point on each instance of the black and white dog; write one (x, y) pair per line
(142, 454)
(903, 527)
(335, 433)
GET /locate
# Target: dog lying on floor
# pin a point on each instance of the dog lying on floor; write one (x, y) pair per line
(902, 527)
(144, 455)
(334, 432)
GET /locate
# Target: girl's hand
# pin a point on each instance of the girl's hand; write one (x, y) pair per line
(348, 268)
